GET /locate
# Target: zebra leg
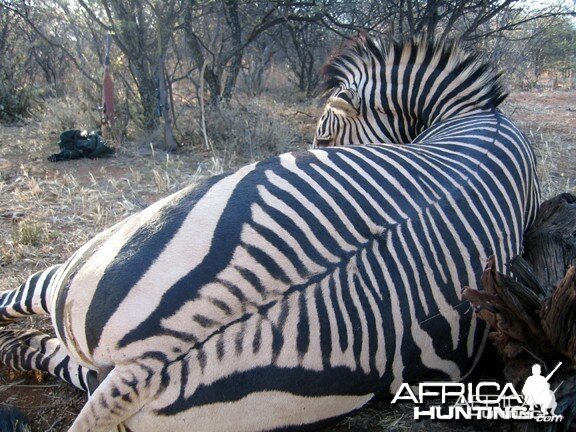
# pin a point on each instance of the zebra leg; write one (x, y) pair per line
(31, 298)
(124, 391)
(32, 350)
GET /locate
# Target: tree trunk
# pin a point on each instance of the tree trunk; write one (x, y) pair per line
(146, 84)
(235, 63)
(164, 102)
(533, 314)
(210, 76)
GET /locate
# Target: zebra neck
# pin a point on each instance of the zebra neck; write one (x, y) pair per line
(408, 110)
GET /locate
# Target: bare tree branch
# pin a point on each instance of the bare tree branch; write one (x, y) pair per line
(49, 41)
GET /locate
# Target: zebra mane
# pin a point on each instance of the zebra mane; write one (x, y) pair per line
(463, 81)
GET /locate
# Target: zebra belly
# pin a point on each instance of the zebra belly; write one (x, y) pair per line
(263, 411)
(319, 352)
(360, 317)
(245, 379)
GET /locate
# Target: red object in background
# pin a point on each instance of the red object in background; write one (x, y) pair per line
(107, 96)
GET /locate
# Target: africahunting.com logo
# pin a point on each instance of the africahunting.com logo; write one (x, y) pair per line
(485, 400)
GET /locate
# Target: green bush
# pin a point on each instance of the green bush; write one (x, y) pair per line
(16, 102)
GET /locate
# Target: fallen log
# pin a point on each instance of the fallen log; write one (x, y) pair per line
(532, 312)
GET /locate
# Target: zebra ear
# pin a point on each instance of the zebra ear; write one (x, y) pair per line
(345, 100)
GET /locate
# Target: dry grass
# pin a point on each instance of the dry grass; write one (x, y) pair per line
(48, 210)
(549, 121)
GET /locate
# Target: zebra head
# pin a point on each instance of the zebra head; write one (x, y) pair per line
(343, 105)
(391, 92)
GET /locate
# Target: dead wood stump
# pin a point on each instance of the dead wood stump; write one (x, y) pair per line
(532, 313)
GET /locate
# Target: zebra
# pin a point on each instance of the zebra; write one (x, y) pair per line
(370, 103)
(294, 290)
(28, 299)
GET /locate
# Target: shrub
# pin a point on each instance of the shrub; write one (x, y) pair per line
(249, 130)
(16, 102)
(30, 233)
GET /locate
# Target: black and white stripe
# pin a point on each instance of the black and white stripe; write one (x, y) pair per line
(293, 289)
(27, 350)
(390, 93)
(31, 298)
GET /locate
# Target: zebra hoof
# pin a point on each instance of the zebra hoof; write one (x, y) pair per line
(13, 420)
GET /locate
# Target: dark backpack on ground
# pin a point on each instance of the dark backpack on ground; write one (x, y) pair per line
(12, 420)
(77, 144)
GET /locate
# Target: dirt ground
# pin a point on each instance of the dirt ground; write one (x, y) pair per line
(47, 210)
